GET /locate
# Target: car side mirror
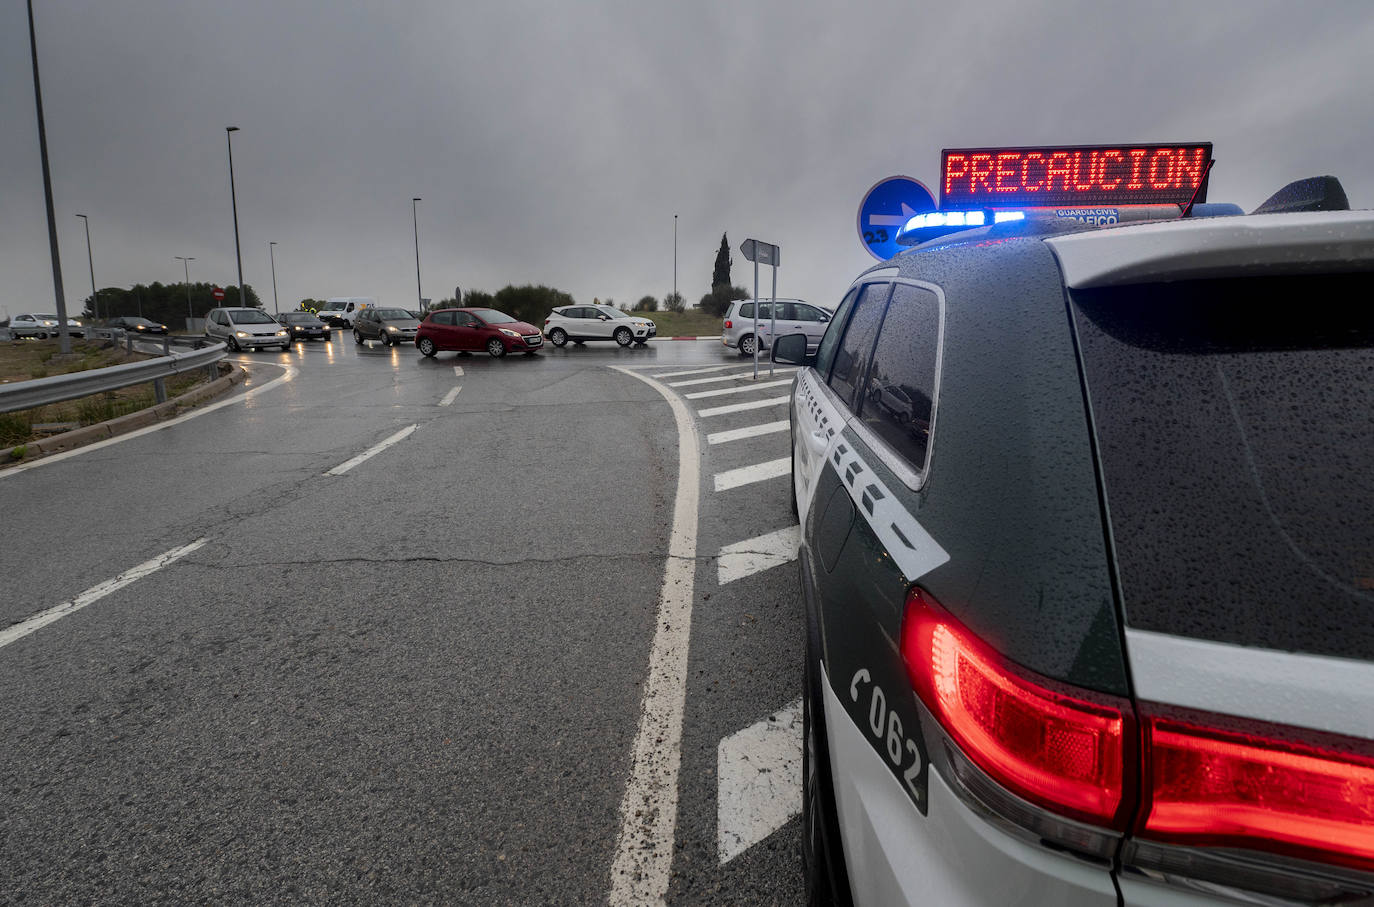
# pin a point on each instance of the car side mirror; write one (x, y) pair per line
(824, 318)
(791, 350)
(603, 317)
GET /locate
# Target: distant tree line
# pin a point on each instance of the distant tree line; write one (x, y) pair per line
(164, 303)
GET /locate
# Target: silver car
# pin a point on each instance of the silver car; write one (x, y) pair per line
(793, 317)
(245, 329)
(42, 326)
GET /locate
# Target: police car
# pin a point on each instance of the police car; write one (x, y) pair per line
(1087, 556)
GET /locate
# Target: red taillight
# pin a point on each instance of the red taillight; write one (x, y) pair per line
(1232, 789)
(1066, 751)
(729, 324)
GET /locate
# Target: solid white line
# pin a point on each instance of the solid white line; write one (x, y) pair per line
(730, 377)
(93, 594)
(372, 451)
(742, 389)
(450, 396)
(457, 371)
(759, 781)
(694, 371)
(648, 813)
(757, 554)
(749, 431)
(740, 407)
(747, 475)
(288, 373)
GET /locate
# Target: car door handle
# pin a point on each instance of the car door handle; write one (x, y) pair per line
(817, 441)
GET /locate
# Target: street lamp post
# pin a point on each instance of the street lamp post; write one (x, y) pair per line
(415, 218)
(233, 198)
(90, 259)
(186, 268)
(64, 337)
(674, 258)
(272, 253)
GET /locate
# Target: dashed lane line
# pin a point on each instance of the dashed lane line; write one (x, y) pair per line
(759, 781)
(450, 396)
(94, 594)
(648, 812)
(740, 407)
(457, 371)
(758, 554)
(748, 431)
(372, 451)
(742, 389)
(748, 475)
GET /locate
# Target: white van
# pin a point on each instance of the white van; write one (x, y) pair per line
(340, 310)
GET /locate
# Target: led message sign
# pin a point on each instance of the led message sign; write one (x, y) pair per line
(1073, 176)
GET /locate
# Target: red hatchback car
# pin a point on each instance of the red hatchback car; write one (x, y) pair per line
(474, 330)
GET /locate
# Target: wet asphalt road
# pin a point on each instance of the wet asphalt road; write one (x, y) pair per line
(418, 681)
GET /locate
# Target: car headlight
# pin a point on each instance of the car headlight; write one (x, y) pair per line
(139, 327)
(281, 333)
(509, 333)
(393, 329)
(236, 333)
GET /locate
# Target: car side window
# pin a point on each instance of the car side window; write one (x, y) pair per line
(442, 318)
(804, 313)
(825, 352)
(855, 350)
(899, 396)
(746, 310)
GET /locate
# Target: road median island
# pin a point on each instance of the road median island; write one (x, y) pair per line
(230, 376)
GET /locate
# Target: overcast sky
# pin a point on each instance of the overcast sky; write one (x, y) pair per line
(553, 142)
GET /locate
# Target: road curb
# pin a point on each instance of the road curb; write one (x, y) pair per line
(711, 337)
(90, 434)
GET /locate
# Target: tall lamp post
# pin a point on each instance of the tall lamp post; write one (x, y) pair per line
(186, 268)
(90, 260)
(415, 218)
(233, 198)
(674, 258)
(64, 337)
(272, 253)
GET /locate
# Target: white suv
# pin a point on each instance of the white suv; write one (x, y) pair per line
(580, 323)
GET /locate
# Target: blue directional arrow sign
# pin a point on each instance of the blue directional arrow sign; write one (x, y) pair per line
(886, 208)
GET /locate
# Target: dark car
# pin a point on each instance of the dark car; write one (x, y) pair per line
(136, 325)
(474, 330)
(1087, 566)
(304, 325)
(390, 326)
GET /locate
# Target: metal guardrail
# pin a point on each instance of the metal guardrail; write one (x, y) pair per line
(42, 391)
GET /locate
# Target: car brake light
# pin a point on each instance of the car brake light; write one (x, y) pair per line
(1235, 789)
(1062, 748)
(729, 324)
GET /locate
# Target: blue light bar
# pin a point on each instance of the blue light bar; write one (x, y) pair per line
(1002, 217)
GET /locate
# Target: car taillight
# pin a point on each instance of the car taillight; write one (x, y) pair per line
(1236, 789)
(729, 324)
(1064, 749)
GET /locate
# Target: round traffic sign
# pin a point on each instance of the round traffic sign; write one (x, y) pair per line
(886, 208)
(218, 293)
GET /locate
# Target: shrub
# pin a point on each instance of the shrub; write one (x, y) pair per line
(646, 304)
(673, 302)
(528, 303)
(720, 297)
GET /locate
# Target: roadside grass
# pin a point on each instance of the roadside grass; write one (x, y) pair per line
(20, 360)
(684, 324)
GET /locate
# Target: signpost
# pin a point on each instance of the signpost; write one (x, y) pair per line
(886, 208)
(766, 253)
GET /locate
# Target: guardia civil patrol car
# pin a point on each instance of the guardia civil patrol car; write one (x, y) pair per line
(1087, 558)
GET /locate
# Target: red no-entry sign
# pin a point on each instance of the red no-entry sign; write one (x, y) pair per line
(218, 293)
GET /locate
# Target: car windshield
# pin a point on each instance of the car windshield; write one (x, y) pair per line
(393, 315)
(300, 317)
(612, 311)
(44, 317)
(250, 316)
(491, 316)
(1238, 457)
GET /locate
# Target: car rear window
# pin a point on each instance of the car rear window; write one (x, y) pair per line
(1235, 423)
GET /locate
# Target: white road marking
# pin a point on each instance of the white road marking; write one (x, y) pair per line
(740, 407)
(759, 778)
(648, 813)
(694, 371)
(94, 594)
(742, 389)
(372, 451)
(747, 475)
(457, 371)
(749, 431)
(450, 396)
(288, 373)
(758, 554)
(730, 377)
